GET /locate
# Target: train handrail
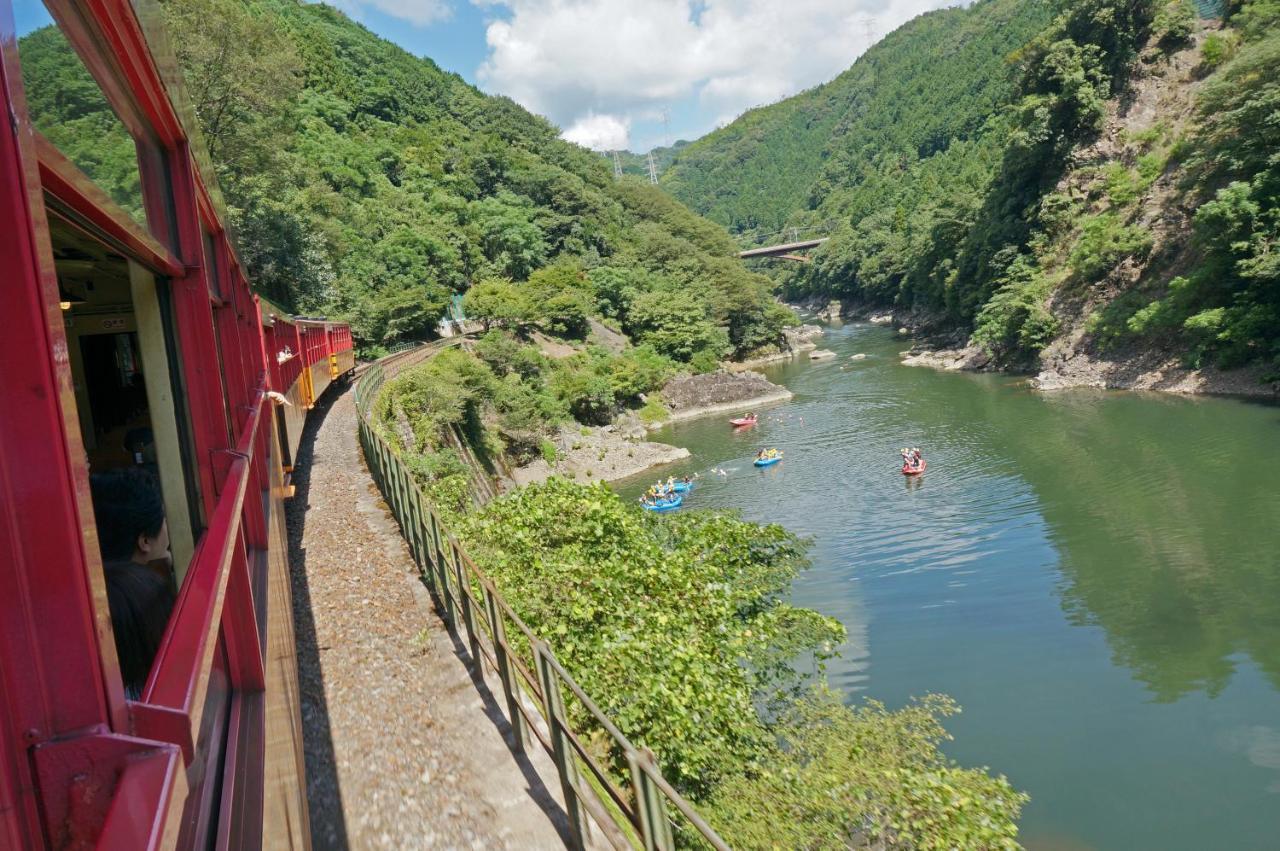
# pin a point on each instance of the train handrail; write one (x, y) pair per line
(635, 815)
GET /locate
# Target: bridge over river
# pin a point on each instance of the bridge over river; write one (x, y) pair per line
(784, 251)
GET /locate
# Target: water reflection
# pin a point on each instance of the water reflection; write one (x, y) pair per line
(1164, 513)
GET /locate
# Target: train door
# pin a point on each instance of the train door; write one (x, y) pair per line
(124, 376)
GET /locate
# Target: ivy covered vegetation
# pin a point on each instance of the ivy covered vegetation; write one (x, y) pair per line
(937, 160)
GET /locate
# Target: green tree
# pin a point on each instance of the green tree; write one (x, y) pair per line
(496, 301)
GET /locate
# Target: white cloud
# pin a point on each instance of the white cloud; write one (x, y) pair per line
(418, 12)
(600, 132)
(577, 61)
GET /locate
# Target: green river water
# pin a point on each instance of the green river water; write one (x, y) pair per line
(1094, 576)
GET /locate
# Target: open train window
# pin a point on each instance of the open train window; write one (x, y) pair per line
(70, 109)
(119, 352)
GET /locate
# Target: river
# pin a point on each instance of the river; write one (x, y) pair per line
(1094, 576)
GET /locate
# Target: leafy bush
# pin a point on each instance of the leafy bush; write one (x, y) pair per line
(704, 361)
(584, 390)
(1014, 324)
(1217, 49)
(653, 411)
(443, 477)
(549, 452)
(1174, 24)
(1105, 241)
(838, 778)
(497, 301)
(1123, 185)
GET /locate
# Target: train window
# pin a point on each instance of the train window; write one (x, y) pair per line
(120, 371)
(212, 267)
(68, 106)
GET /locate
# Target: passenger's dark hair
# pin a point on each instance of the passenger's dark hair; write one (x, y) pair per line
(126, 503)
(141, 604)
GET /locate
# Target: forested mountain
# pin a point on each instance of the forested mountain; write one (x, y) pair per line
(663, 156)
(933, 81)
(368, 184)
(1098, 184)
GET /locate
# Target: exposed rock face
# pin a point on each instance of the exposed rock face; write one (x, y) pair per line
(716, 392)
(832, 311)
(795, 341)
(1150, 371)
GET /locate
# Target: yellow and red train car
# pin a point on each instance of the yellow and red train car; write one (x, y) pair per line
(131, 338)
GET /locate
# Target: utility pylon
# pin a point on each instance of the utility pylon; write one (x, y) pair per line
(869, 30)
(617, 165)
(653, 170)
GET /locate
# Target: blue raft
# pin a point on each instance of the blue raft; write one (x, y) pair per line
(682, 487)
(768, 462)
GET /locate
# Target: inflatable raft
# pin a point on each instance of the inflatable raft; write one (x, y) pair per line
(669, 504)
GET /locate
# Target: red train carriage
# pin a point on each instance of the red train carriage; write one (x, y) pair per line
(131, 339)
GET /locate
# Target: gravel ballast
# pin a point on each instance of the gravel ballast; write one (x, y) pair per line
(403, 749)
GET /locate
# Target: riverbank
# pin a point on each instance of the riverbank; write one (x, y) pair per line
(1151, 371)
(605, 454)
(1070, 363)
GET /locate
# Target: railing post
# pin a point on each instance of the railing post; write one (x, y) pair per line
(651, 804)
(442, 572)
(510, 686)
(416, 535)
(468, 612)
(561, 752)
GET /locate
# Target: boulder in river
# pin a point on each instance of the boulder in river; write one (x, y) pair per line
(858, 356)
(821, 354)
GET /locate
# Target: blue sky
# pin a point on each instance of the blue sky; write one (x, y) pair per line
(633, 74)
(607, 71)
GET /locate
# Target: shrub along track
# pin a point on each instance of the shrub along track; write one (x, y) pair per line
(404, 749)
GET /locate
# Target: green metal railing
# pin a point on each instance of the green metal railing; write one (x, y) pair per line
(647, 813)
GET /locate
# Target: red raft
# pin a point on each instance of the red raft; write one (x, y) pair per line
(743, 421)
(908, 470)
